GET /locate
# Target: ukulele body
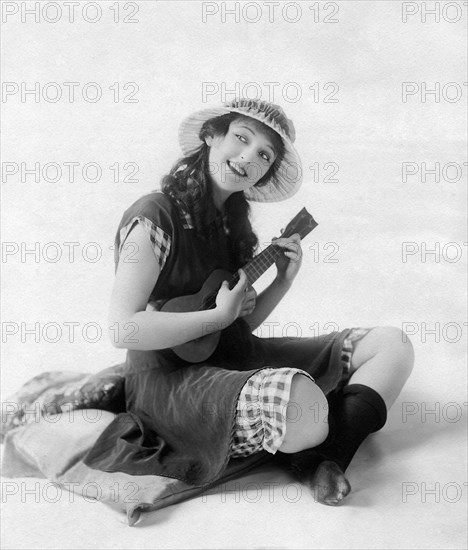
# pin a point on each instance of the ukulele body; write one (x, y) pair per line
(201, 348)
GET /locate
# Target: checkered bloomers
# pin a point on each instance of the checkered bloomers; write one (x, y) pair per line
(261, 408)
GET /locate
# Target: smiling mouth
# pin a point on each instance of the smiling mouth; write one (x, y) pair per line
(237, 169)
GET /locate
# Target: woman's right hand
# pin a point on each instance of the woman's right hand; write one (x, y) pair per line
(236, 302)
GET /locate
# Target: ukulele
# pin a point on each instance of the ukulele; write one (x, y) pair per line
(201, 348)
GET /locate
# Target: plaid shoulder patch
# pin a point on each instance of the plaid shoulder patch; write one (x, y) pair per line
(160, 240)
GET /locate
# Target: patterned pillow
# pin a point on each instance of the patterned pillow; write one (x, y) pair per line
(58, 391)
(55, 449)
(35, 444)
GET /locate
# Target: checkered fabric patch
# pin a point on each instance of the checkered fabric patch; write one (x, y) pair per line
(261, 411)
(187, 222)
(347, 351)
(261, 407)
(186, 218)
(160, 240)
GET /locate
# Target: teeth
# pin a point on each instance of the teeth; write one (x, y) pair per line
(237, 168)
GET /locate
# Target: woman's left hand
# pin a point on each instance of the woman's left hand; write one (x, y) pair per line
(289, 263)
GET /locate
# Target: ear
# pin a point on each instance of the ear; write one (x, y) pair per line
(209, 140)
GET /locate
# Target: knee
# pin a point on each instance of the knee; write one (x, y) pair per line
(396, 342)
(306, 416)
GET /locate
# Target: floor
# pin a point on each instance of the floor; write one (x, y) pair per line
(409, 491)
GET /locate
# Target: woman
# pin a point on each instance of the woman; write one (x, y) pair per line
(309, 401)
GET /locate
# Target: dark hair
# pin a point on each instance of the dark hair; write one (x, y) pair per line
(189, 184)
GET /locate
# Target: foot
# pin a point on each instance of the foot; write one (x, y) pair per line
(323, 476)
(328, 483)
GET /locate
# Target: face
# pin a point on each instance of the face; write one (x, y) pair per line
(241, 158)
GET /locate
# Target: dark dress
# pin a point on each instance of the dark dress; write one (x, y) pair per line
(179, 416)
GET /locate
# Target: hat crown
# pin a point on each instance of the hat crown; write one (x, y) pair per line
(268, 111)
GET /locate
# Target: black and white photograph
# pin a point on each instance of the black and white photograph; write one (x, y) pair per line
(234, 286)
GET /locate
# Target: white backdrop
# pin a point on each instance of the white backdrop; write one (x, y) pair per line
(179, 63)
(355, 77)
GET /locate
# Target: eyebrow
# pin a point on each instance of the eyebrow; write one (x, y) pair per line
(250, 130)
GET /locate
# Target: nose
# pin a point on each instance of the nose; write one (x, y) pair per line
(247, 154)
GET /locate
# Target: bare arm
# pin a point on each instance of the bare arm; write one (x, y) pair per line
(266, 302)
(132, 327)
(288, 266)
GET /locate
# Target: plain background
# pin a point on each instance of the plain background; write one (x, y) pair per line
(354, 271)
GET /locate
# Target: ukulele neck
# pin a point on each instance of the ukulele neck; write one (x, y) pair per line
(257, 267)
(303, 223)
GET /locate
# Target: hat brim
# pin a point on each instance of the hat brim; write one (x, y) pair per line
(287, 178)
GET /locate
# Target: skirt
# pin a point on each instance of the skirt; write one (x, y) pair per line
(181, 419)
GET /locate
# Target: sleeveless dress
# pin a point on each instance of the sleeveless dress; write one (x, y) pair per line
(182, 420)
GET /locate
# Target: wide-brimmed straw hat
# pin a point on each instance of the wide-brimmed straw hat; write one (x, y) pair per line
(287, 177)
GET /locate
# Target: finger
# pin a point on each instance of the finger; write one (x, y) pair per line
(243, 283)
(295, 237)
(293, 247)
(288, 243)
(293, 256)
(242, 278)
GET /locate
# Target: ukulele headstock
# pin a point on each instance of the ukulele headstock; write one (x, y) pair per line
(303, 223)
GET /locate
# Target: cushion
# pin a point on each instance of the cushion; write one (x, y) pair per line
(54, 446)
(51, 423)
(53, 392)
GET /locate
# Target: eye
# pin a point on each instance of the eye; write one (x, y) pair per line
(265, 156)
(241, 138)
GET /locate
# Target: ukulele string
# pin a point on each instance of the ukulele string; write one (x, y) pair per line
(265, 259)
(262, 259)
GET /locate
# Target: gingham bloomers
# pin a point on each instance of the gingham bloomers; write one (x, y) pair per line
(261, 408)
